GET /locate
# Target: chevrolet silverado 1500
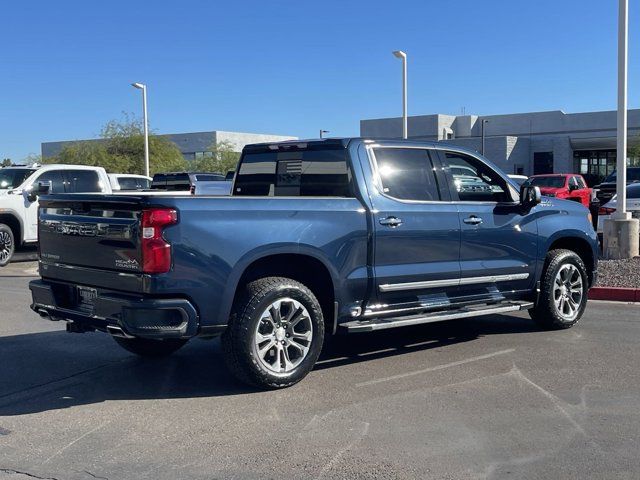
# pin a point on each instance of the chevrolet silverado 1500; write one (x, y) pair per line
(318, 237)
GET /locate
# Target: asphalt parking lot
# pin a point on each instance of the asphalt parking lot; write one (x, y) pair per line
(480, 398)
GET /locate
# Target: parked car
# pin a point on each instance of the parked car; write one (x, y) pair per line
(127, 182)
(182, 181)
(607, 189)
(567, 186)
(19, 202)
(609, 208)
(369, 235)
(519, 179)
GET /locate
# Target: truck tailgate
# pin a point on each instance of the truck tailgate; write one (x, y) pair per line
(96, 231)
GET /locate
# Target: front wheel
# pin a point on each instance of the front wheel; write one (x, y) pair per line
(148, 347)
(563, 291)
(7, 245)
(276, 333)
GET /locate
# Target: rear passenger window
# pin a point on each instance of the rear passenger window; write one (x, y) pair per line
(304, 173)
(407, 173)
(82, 181)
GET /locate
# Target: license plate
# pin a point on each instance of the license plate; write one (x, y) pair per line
(87, 297)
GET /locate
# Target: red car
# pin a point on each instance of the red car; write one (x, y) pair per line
(563, 185)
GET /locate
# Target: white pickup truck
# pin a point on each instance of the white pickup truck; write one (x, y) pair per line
(19, 188)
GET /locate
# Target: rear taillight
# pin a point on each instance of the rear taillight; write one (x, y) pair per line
(156, 252)
(606, 211)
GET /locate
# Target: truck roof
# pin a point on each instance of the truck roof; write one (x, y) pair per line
(343, 142)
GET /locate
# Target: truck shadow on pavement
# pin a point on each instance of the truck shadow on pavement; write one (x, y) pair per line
(54, 370)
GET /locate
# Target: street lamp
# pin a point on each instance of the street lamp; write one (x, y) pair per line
(621, 232)
(322, 132)
(400, 54)
(143, 87)
(484, 122)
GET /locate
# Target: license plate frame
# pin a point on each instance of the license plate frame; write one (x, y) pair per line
(86, 297)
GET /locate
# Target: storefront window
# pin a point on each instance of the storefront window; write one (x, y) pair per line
(594, 165)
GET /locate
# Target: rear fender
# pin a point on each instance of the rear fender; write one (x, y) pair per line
(263, 252)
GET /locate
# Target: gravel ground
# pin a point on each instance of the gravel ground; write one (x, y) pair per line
(619, 273)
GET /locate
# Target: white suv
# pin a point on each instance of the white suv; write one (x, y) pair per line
(19, 202)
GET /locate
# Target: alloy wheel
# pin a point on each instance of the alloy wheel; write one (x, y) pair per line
(568, 290)
(6, 245)
(283, 335)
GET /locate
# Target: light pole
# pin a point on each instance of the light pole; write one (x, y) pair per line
(400, 54)
(621, 235)
(143, 87)
(322, 132)
(483, 124)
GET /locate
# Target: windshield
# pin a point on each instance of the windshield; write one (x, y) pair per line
(633, 175)
(13, 177)
(553, 182)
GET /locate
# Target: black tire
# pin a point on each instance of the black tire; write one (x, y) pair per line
(148, 347)
(239, 340)
(546, 313)
(7, 245)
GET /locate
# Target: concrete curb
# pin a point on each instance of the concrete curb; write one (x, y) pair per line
(617, 294)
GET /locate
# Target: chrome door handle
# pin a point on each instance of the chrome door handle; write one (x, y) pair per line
(391, 221)
(473, 220)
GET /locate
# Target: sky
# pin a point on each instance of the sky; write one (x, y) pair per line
(294, 67)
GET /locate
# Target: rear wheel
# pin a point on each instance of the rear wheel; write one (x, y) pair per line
(7, 245)
(563, 292)
(276, 333)
(149, 347)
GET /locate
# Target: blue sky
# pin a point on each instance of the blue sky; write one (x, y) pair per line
(293, 67)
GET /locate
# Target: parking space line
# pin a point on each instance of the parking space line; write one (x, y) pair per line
(435, 368)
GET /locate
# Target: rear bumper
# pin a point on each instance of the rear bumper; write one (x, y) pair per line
(111, 311)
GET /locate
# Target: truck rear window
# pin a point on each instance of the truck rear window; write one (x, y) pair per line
(171, 181)
(301, 173)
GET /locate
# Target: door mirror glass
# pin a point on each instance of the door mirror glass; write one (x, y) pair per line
(530, 196)
(41, 188)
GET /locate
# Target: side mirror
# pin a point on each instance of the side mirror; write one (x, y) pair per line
(530, 196)
(42, 188)
(572, 188)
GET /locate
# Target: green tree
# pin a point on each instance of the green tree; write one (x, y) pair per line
(120, 149)
(31, 159)
(222, 159)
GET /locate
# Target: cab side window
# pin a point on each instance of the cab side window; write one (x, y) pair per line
(55, 178)
(407, 173)
(82, 181)
(473, 181)
(580, 182)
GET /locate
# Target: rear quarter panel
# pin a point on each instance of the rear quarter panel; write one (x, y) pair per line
(216, 239)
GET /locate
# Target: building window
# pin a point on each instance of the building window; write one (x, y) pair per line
(594, 165)
(542, 163)
(198, 155)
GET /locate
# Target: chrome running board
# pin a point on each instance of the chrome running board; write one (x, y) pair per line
(466, 312)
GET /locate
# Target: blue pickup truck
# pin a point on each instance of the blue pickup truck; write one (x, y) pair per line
(318, 237)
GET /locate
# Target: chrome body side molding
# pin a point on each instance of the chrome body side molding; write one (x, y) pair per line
(453, 282)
